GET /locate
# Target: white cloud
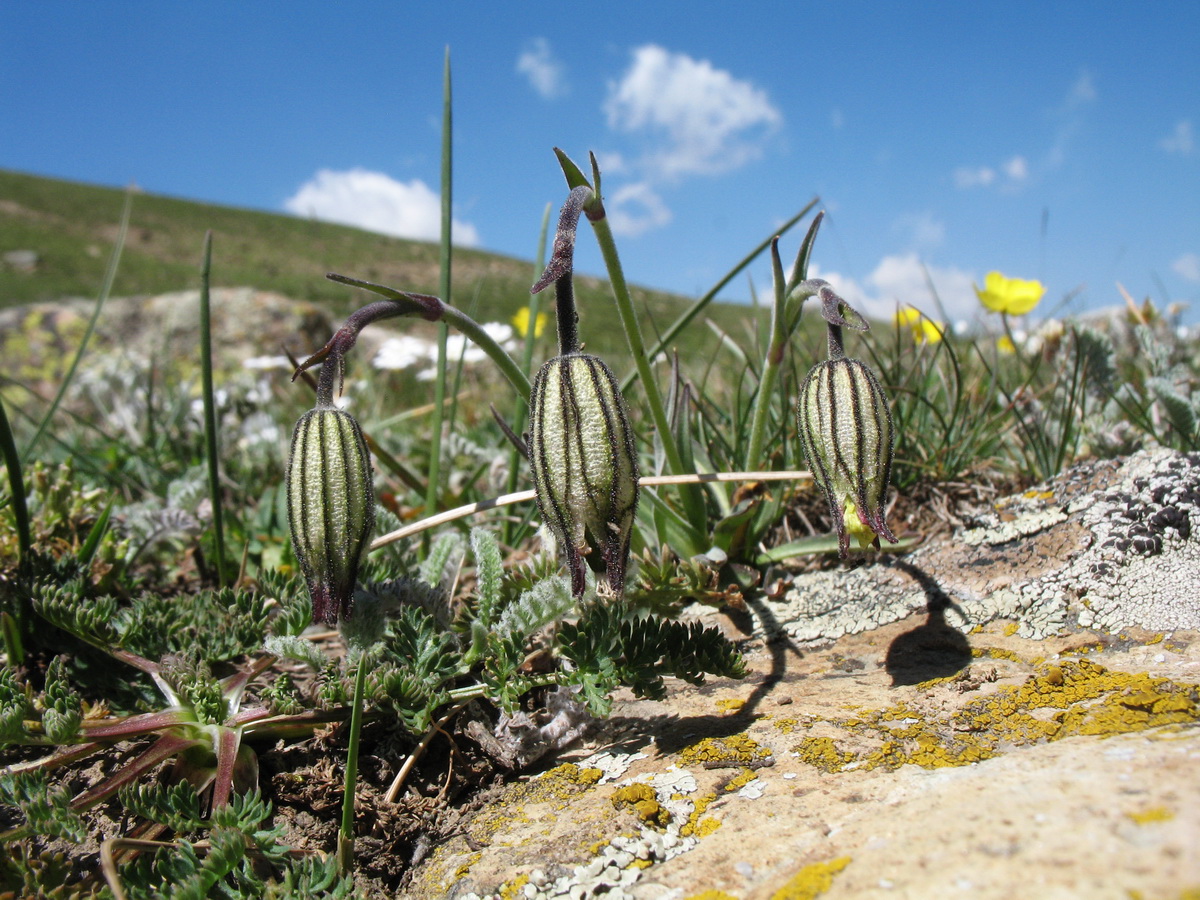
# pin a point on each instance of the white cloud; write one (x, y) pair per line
(634, 209)
(967, 177)
(704, 120)
(1069, 116)
(1017, 169)
(921, 230)
(377, 202)
(544, 71)
(1187, 267)
(1014, 172)
(1082, 91)
(902, 279)
(1180, 140)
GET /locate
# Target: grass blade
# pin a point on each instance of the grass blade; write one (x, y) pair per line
(16, 482)
(211, 449)
(439, 390)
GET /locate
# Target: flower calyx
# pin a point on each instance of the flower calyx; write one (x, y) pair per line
(847, 434)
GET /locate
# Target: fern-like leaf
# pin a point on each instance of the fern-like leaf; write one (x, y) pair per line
(489, 571)
(1179, 409)
(66, 606)
(63, 708)
(546, 602)
(46, 809)
(176, 806)
(15, 706)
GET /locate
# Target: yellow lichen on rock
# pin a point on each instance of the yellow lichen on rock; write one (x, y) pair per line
(698, 824)
(740, 780)
(643, 801)
(1064, 699)
(1151, 815)
(1091, 700)
(811, 881)
(824, 754)
(512, 890)
(735, 750)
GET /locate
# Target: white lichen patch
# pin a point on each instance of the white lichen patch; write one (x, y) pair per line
(613, 765)
(1105, 546)
(1011, 529)
(620, 864)
(753, 790)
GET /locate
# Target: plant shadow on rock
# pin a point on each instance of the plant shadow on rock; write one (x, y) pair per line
(672, 733)
(933, 649)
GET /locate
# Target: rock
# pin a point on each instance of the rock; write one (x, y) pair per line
(21, 260)
(942, 725)
(1104, 544)
(38, 341)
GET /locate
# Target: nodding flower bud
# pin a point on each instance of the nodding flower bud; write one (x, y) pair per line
(846, 430)
(331, 507)
(584, 466)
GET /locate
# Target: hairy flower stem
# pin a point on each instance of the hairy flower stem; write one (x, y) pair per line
(404, 303)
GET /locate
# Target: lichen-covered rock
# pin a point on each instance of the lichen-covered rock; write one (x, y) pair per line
(38, 341)
(1008, 710)
(1067, 763)
(1104, 545)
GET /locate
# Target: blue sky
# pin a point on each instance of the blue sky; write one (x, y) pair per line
(1046, 140)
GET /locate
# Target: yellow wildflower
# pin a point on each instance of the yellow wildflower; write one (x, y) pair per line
(1010, 295)
(521, 322)
(924, 330)
(1005, 345)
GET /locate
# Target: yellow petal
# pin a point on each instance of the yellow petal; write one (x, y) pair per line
(521, 322)
(1014, 296)
(924, 330)
(1005, 345)
(931, 332)
(857, 528)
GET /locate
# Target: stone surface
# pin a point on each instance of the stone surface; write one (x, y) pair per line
(986, 718)
(38, 341)
(1106, 544)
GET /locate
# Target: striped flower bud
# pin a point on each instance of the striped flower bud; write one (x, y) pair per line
(846, 430)
(331, 507)
(584, 466)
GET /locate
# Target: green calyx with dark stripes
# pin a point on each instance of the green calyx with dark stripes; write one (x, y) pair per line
(581, 449)
(845, 428)
(584, 465)
(331, 507)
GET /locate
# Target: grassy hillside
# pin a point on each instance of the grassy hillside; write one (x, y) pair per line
(72, 228)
